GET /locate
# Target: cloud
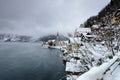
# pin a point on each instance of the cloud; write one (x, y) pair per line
(40, 17)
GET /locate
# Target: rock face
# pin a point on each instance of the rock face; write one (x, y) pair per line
(105, 15)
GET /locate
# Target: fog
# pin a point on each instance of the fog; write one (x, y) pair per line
(41, 17)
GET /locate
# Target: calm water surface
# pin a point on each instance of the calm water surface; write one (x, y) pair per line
(30, 61)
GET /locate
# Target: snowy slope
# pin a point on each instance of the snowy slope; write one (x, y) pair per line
(96, 73)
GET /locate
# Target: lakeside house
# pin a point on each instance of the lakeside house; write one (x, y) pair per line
(85, 34)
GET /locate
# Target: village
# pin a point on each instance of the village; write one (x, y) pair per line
(88, 48)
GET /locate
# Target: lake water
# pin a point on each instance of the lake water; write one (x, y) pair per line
(30, 61)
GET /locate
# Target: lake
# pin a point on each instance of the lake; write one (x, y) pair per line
(30, 61)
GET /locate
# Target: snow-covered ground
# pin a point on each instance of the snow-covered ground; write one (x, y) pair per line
(114, 76)
(97, 73)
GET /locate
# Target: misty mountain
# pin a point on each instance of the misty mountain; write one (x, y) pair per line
(24, 38)
(51, 37)
(14, 38)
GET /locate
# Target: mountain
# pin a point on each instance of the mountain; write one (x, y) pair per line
(51, 37)
(105, 15)
(24, 38)
(14, 38)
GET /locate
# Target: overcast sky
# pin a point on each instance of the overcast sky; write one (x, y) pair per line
(40, 17)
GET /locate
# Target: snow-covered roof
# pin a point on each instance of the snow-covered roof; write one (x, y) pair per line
(65, 41)
(90, 35)
(75, 40)
(95, 26)
(72, 77)
(84, 34)
(118, 9)
(72, 67)
(51, 40)
(83, 30)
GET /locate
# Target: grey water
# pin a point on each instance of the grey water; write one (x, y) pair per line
(30, 61)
